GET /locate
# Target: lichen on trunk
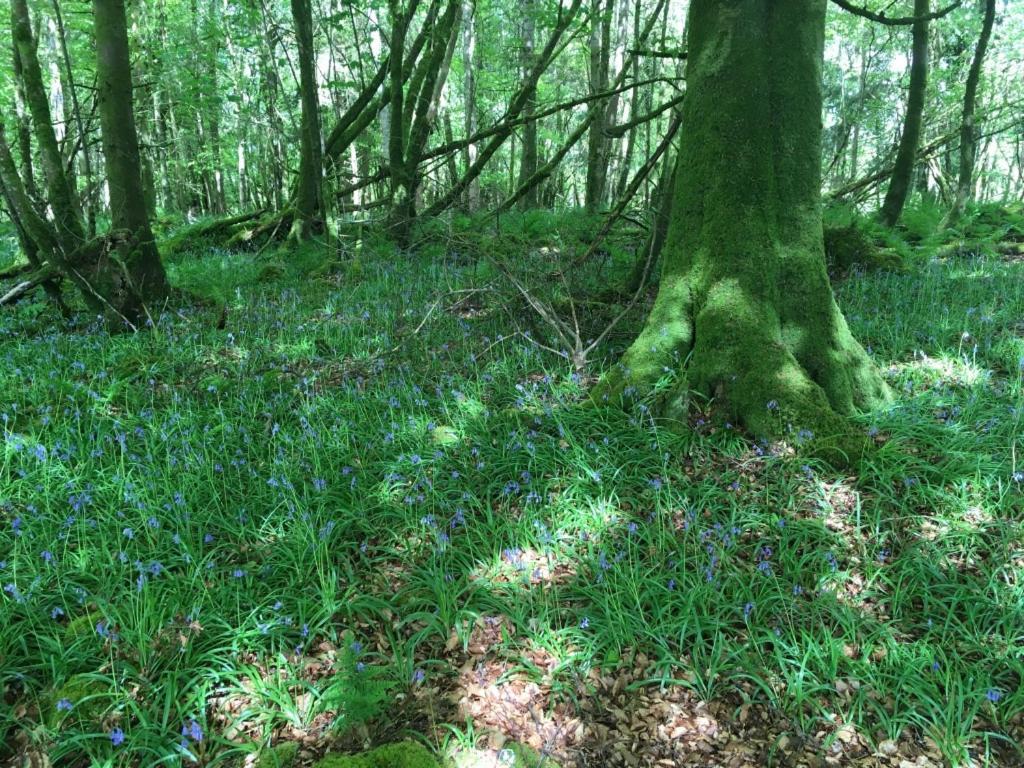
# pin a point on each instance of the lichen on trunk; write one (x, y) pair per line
(745, 312)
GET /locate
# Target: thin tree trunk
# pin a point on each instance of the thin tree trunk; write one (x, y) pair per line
(899, 183)
(472, 201)
(69, 73)
(513, 112)
(528, 161)
(592, 114)
(968, 129)
(597, 156)
(309, 186)
(24, 124)
(60, 195)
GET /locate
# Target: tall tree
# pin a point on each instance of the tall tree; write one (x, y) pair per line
(60, 193)
(528, 160)
(906, 154)
(142, 275)
(309, 186)
(469, 43)
(597, 142)
(745, 313)
(968, 128)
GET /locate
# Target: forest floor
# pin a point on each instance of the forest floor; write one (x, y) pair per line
(363, 510)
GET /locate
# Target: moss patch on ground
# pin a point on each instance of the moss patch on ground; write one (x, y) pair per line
(406, 754)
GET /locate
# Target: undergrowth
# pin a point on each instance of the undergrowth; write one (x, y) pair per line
(211, 536)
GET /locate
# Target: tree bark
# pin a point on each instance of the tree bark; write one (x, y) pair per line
(60, 194)
(968, 129)
(90, 206)
(144, 280)
(899, 183)
(309, 186)
(597, 143)
(469, 36)
(23, 122)
(528, 161)
(745, 313)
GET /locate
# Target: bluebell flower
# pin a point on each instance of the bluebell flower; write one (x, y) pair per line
(64, 705)
(117, 737)
(192, 730)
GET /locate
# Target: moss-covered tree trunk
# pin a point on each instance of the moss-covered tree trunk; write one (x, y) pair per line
(309, 187)
(906, 154)
(745, 312)
(139, 278)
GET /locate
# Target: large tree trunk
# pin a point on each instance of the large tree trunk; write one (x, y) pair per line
(309, 188)
(142, 279)
(745, 313)
(968, 129)
(899, 183)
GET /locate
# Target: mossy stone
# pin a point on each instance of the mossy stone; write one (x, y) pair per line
(280, 756)
(527, 757)
(84, 625)
(85, 693)
(444, 436)
(848, 248)
(406, 754)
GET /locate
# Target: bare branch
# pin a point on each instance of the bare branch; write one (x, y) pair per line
(901, 21)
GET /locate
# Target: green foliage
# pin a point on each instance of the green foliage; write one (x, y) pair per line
(991, 223)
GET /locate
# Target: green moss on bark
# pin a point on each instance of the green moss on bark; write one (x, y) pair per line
(745, 312)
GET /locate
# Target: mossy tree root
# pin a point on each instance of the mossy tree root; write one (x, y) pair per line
(779, 371)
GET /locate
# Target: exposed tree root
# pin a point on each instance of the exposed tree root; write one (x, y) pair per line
(98, 269)
(275, 227)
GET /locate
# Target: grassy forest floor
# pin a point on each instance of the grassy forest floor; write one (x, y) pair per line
(358, 512)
